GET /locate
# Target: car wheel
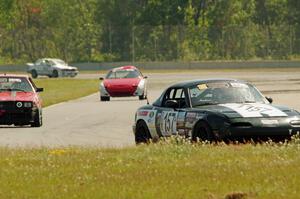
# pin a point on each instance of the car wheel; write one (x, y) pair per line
(104, 98)
(55, 73)
(142, 134)
(141, 97)
(203, 132)
(34, 74)
(38, 119)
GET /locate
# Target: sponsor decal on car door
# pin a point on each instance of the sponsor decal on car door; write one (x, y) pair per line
(168, 124)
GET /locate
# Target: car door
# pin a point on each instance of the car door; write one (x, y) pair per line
(171, 118)
(42, 68)
(38, 66)
(48, 67)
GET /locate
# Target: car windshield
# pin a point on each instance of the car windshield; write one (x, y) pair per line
(59, 61)
(122, 74)
(223, 93)
(15, 84)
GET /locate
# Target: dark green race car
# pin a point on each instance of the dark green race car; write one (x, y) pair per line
(214, 109)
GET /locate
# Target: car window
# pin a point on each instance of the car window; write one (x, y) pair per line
(43, 62)
(38, 62)
(118, 74)
(15, 84)
(47, 63)
(51, 63)
(59, 61)
(170, 95)
(176, 94)
(179, 94)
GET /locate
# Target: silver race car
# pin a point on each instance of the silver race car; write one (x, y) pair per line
(51, 68)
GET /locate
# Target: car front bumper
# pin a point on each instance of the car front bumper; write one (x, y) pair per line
(259, 128)
(18, 117)
(258, 132)
(139, 90)
(69, 73)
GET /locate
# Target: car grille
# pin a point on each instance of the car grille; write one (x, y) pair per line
(9, 105)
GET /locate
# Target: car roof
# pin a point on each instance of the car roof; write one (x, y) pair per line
(124, 68)
(13, 75)
(190, 83)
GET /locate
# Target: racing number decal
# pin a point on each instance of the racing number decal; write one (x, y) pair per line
(255, 110)
(252, 108)
(168, 123)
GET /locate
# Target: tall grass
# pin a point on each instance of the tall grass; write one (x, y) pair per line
(169, 169)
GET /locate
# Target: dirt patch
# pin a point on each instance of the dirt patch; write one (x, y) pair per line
(236, 195)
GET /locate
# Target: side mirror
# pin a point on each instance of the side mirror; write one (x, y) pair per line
(145, 77)
(39, 89)
(101, 78)
(171, 104)
(269, 99)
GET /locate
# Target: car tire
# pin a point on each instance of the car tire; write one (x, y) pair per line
(34, 74)
(142, 97)
(55, 74)
(104, 98)
(38, 119)
(203, 132)
(142, 133)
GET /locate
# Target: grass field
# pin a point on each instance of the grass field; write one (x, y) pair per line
(172, 169)
(59, 90)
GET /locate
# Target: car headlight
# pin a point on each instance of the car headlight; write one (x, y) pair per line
(295, 122)
(27, 104)
(141, 84)
(19, 104)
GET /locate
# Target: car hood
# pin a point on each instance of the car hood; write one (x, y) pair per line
(64, 67)
(125, 81)
(251, 110)
(17, 96)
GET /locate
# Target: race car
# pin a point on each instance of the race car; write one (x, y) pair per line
(213, 110)
(20, 103)
(51, 68)
(124, 81)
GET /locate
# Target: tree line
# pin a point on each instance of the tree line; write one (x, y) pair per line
(149, 30)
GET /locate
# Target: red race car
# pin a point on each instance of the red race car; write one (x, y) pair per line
(20, 103)
(124, 81)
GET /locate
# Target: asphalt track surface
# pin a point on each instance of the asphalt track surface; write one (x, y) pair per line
(89, 122)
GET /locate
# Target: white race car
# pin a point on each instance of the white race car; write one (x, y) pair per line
(51, 68)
